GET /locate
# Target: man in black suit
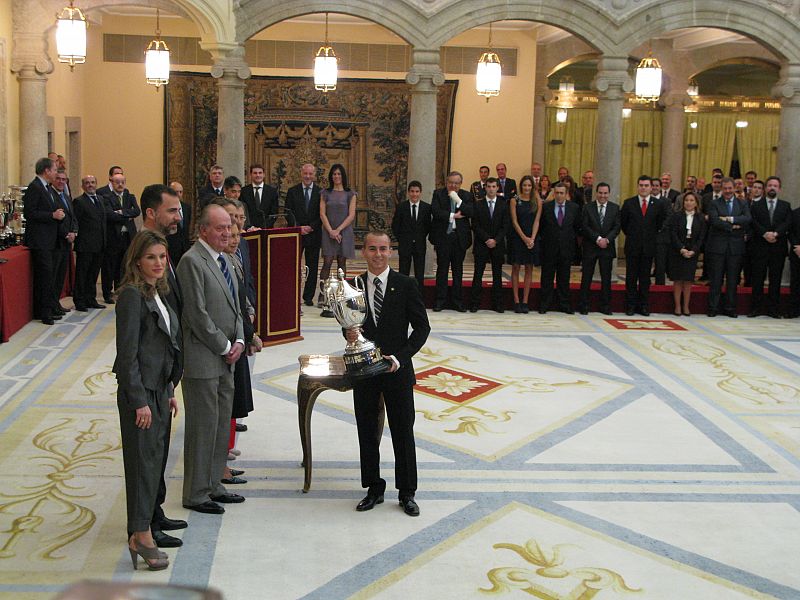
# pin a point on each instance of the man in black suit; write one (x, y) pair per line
(583, 195)
(67, 232)
(411, 225)
(108, 190)
(478, 188)
(641, 218)
(728, 220)
(89, 245)
(212, 189)
(394, 303)
(302, 200)
(42, 216)
(490, 224)
(180, 241)
(558, 231)
(772, 218)
(600, 226)
(507, 187)
(794, 265)
(668, 193)
(260, 199)
(121, 209)
(663, 240)
(451, 236)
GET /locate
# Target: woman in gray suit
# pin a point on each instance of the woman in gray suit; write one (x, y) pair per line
(148, 367)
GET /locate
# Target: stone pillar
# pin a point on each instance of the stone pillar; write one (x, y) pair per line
(787, 90)
(672, 137)
(425, 77)
(611, 82)
(32, 65)
(230, 70)
(540, 97)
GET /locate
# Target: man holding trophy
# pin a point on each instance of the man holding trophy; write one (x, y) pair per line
(394, 302)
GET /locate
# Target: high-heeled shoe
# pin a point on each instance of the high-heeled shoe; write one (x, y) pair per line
(155, 559)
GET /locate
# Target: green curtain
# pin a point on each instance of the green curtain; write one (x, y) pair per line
(714, 137)
(755, 143)
(577, 135)
(642, 126)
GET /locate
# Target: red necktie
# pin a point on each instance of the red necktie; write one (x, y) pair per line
(644, 207)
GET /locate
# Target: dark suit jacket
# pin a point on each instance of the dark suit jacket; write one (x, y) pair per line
(582, 196)
(486, 228)
(641, 231)
(559, 240)
(722, 236)
(41, 229)
(781, 221)
(207, 194)
(705, 201)
(180, 241)
(259, 216)
(672, 196)
(92, 224)
(477, 190)
(402, 306)
(411, 235)
(130, 210)
(69, 224)
(591, 229)
(296, 202)
(508, 190)
(677, 232)
(794, 229)
(148, 353)
(440, 209)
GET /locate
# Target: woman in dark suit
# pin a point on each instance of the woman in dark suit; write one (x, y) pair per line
(687, 230)
(148, 367)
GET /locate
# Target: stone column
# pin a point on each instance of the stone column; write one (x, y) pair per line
(540, 98)
(611, 82)
(787, 90)
(672, 137)
(230, 70)
(32, 65)
(425, 77)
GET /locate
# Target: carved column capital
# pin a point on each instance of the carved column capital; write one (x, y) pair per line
(612, 80)
(425, 73)
(675, 100)
(787, 90)
(29, 57)
(229, 60)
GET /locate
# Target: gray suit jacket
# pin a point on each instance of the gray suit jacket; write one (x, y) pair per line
(148, 353)
(211, 317)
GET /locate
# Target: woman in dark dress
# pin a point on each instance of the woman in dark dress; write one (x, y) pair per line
(687, 230)
(337, 211)
(526, 210)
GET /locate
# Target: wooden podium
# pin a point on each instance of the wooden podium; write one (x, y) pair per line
(275, 264)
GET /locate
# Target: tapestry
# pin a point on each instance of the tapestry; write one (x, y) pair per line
(363, 124)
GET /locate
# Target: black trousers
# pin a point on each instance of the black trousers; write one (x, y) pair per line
(768, 262)
(111, 269)
(495, 257)
(311, 254)
(398, 395)
(43, 280)
(416, 255)
(587, 273)
(558, 268)
(161, 492)
(794, 297)
(87, 268)
(637, 281)
(723, 266)
(660, 260)
(449, 255)
(61, 259)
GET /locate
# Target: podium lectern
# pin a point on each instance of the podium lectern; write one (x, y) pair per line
(275, 264)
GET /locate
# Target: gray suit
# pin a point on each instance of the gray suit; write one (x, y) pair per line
(211, 323)
(148, 367)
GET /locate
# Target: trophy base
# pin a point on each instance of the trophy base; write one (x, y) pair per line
(365, 364)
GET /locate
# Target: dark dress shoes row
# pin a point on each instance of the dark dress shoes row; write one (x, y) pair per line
(369, 502)
(164, 540)
(410, 507)
(228, 498)
(167, 524)
(208, 507)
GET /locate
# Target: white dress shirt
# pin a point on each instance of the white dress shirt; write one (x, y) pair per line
(162, 307)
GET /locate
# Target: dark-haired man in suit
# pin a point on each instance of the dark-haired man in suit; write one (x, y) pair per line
(506, 187)
(121, 209)
(478, 188)
(490, 224)
(260, 199)
(302, 200)
(411, 225)
(394, 304)
(89, 245)
(600, 226)
(558, 230)
(213, 189)
(180, 241)
(67, 232)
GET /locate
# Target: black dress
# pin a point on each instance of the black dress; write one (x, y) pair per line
(242, 388)
(679, 267)
(526, 215)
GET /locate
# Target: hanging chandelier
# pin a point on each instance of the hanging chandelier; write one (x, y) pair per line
(71, 36)
(566, 85)
(561, 115)
(693, 90)
(648, 78)
(626, 113)
(156, 58)
(326, 65)
(489, 74)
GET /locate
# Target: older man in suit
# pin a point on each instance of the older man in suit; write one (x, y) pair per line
(490, 224)
(260, 199)
(67, 232)
(89, 245)
(600, 227)
(506, 187)
(213, 340)
(728, 220)
(213, 188)
(558, 230)
(394, 303)
(121, 209)
(302, 200)
(411, 225)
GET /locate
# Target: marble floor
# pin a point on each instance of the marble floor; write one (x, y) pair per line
(560, 457)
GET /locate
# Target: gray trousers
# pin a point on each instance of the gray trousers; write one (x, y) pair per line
(207, 404)
(142, 455)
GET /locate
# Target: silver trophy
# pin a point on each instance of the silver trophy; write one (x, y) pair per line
(331, 284)
(362, 358)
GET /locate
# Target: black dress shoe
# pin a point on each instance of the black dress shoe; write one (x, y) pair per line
(752, 313)
(48, 321)
(525, 308)
(499, 309)
(308, 302)
(211, 508)
(473, 309)
(235, 472)
(96, 305)
(644, 312)
(584, 311)
(606, 312)
(163, 540)
(241, 427)
(437, 309)
(568, 311)
(108, 300)
(409, 507)
(542, 311)
(369, 502)
(167, 524)
(228, 498)
(712, 313)
(81, 308)
(517, 308)
(460, 308)
(630, 312)
(57, 317)
(731, 314)
(233, 480)
(774, 314)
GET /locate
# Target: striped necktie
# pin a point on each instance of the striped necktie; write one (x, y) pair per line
(223, 266)
(377, 299)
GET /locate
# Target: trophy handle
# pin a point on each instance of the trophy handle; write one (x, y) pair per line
(359, 285)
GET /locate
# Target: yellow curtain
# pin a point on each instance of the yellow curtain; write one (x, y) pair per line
(577, 135)
(755, 143)
(714, 137)
(643, 126)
